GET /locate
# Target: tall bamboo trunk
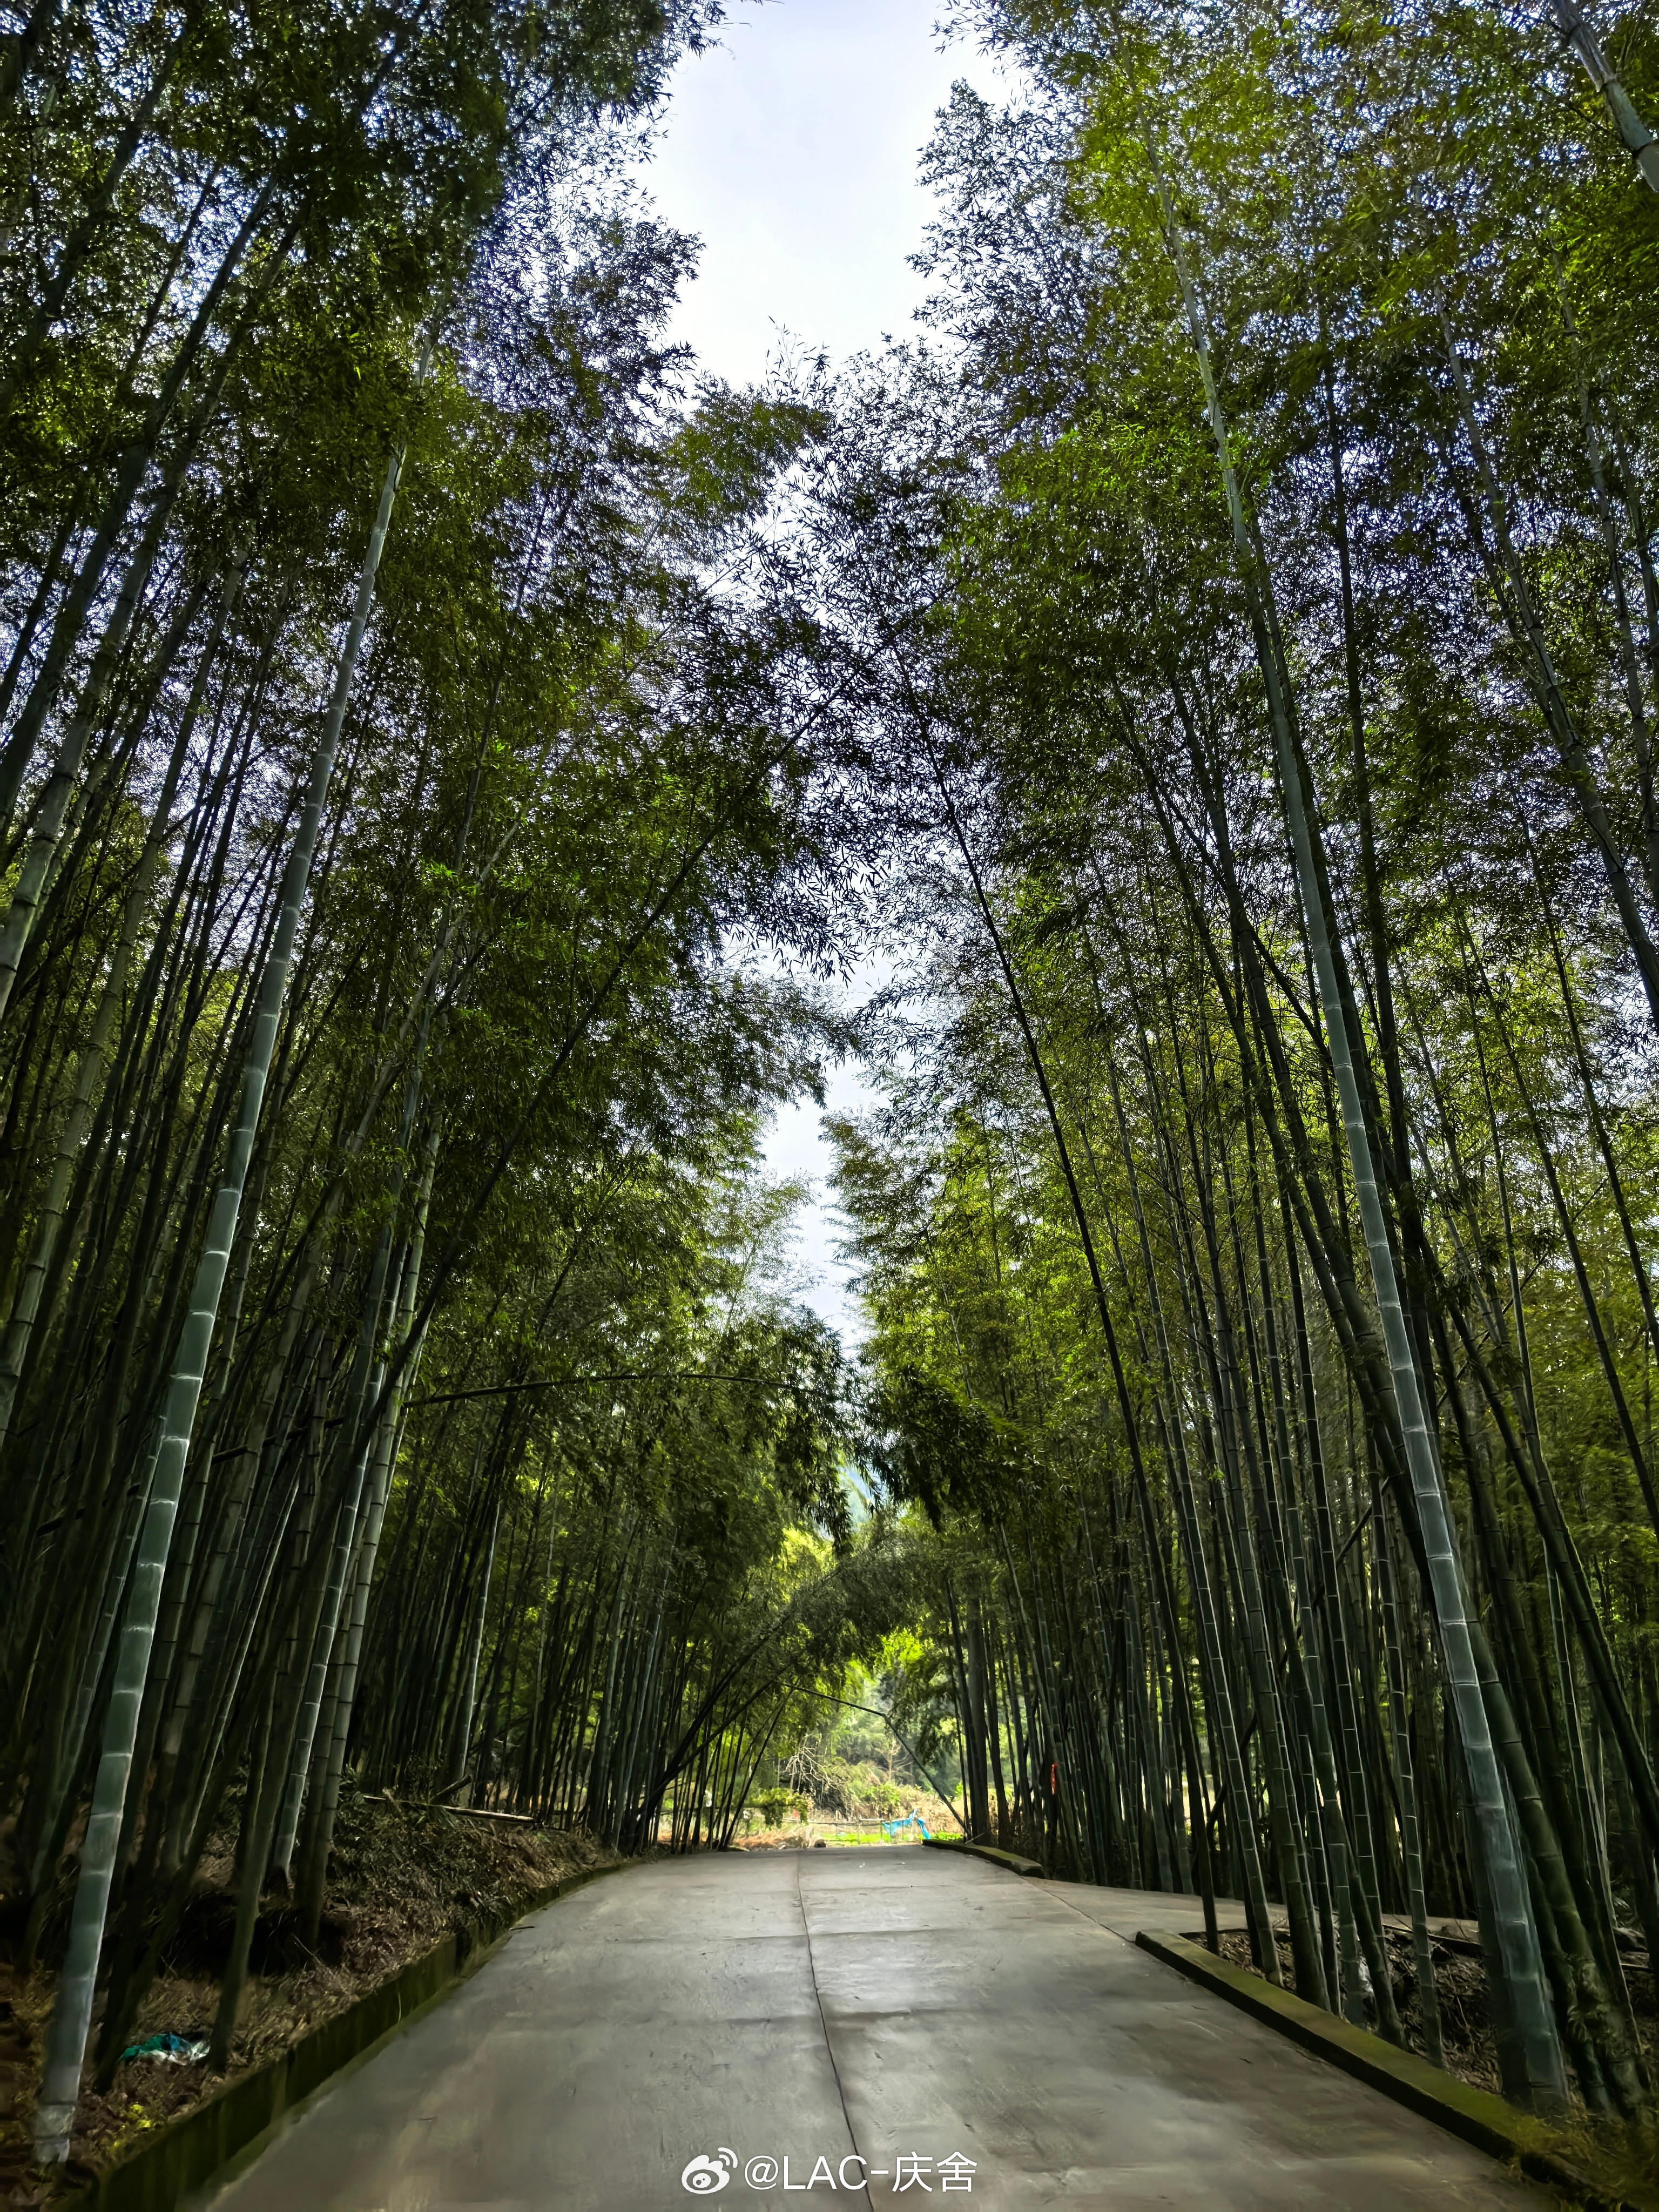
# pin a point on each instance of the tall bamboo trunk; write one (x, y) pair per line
(1530, 2052)
(72, 2011)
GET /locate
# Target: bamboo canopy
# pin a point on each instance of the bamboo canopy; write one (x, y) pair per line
(449, 749)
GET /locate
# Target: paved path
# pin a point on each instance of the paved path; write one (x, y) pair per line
(845, 2009)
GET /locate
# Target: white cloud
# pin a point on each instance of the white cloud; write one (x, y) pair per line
(791, 151)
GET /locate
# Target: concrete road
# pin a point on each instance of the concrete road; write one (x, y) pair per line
(906, 2028)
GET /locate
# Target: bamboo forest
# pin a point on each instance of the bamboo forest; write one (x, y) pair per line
(455, 753)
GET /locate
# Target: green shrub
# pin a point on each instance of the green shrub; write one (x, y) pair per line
(773, 1806)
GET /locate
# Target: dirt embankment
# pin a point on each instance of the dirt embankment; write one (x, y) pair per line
(1459, 1983)
(400, 1879)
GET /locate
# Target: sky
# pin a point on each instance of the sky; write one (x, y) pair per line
(791, 150)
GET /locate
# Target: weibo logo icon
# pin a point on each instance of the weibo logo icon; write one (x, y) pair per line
(703, 2175)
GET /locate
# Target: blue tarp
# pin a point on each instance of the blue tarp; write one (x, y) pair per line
(171, 2049)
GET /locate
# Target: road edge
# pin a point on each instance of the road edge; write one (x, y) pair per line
(1479, 2119)
(187, 2154)
(1010, 1862)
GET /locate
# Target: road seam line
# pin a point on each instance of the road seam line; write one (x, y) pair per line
(830, 2048)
